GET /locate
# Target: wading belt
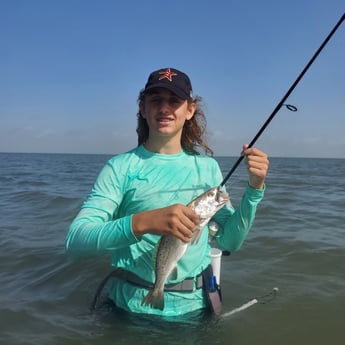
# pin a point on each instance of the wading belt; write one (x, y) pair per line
(187, 285)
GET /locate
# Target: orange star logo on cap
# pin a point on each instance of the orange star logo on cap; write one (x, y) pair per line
(167, 74)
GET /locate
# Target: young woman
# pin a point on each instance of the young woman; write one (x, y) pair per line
(142, 194)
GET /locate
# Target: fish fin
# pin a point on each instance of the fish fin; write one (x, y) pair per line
(154, 299)
(198, 231)
(196, 236)
(173, 273)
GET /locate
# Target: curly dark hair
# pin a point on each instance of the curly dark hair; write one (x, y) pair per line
(193, 133)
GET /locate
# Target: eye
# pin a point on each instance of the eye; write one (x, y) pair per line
(155, 100)
(174, 100)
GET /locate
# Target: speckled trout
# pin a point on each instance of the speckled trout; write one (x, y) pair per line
(171, 249)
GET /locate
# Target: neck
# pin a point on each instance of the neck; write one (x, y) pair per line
(167, 146)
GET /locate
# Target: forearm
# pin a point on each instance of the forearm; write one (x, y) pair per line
(88, 236)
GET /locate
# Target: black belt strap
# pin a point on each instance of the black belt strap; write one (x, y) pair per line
(187, 285)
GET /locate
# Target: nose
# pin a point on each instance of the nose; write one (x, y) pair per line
(164, 105)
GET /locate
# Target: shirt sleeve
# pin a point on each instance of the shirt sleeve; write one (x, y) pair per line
(98, 229)
(235, 224)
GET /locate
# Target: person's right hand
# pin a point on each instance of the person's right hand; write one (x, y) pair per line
(177, 220)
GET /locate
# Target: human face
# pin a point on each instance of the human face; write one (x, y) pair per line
(165, 113)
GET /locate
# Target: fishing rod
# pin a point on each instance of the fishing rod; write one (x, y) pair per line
(281, 103)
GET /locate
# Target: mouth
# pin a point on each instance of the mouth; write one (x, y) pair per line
(164, 120)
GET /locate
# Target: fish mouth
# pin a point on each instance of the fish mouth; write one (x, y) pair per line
(222, 197)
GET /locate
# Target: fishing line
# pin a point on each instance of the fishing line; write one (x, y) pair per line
(263, 300)
(281, 103)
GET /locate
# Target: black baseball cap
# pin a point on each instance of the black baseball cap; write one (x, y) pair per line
(171, 79)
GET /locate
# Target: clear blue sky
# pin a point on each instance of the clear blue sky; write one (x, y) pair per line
(71, 71)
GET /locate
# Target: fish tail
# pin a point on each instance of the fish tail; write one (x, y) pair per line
(155, 299)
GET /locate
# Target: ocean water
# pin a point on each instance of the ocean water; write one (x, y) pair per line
(296, 246)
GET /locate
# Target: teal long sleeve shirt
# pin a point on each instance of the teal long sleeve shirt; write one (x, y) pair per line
(140, 180)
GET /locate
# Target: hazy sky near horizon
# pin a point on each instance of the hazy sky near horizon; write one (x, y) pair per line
(71, 71)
